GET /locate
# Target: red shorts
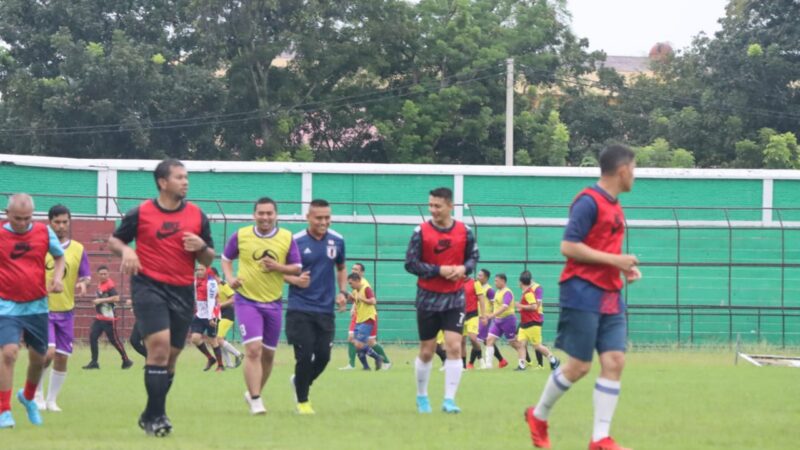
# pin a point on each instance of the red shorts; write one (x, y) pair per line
(352, 328)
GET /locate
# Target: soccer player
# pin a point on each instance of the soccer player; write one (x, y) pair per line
(309, 317)
(504, 320)
(23, 301)
(475, 310)
(266, 253)
(61, 321)
(373, 338)
(531, 312)
(226, 321)
(204, 323)
(442, 252)
(107, 297)
(364, 301)
(592, 308)
(171, 234)
(484, 324)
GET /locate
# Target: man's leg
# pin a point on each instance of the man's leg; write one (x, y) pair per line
(428, 326)
(253, 368)
(8, 358)
(111, 334)
(325, 327)
(611, 345)
(94, 337)
(301, 335)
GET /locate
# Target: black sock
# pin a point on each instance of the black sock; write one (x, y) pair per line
(527, 355)
(497, 354)
(156, 382)
(464, 362)
(539, 358)
(441, 353)
(473, 355)
(171, 379)
(204, 350)
(218, 355)
(255, 397)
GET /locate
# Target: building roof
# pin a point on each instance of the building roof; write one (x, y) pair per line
(628, 64)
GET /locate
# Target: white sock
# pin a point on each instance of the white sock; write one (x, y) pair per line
(56, 381)
(552, 358)
(423, 370)
(523, 363)
(230, 348)
(606, 395)
(555, 387)
(452, 377)
(40, 386)
(226, 357)
(489, 356)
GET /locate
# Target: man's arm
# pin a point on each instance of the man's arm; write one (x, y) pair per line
(55, 250)
(370, 297)
(414, 264)
(582, 217)
(123, 235)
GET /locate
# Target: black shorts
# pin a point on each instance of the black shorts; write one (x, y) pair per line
(160, 306)
(430, 322)
(306, 328)
(203, 326)
(228, 313)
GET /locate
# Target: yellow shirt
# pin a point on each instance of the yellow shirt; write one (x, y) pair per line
(364, 311)
(497, 302)
(65, 300)
(258, 285)
(226, 292)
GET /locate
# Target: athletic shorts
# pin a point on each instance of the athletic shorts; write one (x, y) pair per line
(259, 321)
(223, 327)
(532, 334)
(580, 333)
(504, 327)
(483, 330)
(203, 326)
(352, 329)
(32, 328)
(228, 313)
(61, 331)
(363, 331)
(160, 306)
(471, 325)
(430, 322)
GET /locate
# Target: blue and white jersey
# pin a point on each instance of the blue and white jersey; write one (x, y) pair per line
(320, 257)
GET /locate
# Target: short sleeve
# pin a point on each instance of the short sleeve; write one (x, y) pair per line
(582, 216)
(126, 231)
(368, 293)
(205, 230)
(231, 250)
(340, 257)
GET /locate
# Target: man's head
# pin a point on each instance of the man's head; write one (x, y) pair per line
(440, 204)
(319, 217)
(19, 212)
(358, 268)
(200, 271)
(60, 217)
(483, 276)
(172, 178)
(265, 213)
(354, 280)
(525, 279)
(500, 280)
(102, 274)
(617, 162)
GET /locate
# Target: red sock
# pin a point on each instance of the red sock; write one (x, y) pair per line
(30, 390)
(5, 401)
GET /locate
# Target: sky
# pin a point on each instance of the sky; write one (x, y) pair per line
(632, 27)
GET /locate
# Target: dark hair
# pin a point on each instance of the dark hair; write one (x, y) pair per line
(525, 277)
(354, 276)
(486, 272)
(214, 270)
(102, 267)
(363, 269)
(442, 192)
(164, 168)
(614, 156)
(265, 201)
(502, 276)
(58, 210)
(319, 203)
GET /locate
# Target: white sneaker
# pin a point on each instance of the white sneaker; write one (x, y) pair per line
(386, 366)
(347, 367)
(256, 406)
(39, 400)
(52, 406)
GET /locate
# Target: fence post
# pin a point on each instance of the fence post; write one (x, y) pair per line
(730, 276)
(783, 278)
(525, 222)
(678, 278)
(375, 247)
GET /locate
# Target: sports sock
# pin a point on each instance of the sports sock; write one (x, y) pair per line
(452, 377)
(170, 379)
(362, 357)
(218, 355)
(552, 358)
(423, 370)
(539, 358)
(474, 354)
(40, 386)
(5, 401)
(606, 395)
(157, 384)
(30, 389)
(497, 354)
(464, 362)
(351, 353)
(204, 350)
(489, 355)
(441, 353)
(372, 353)
(379, 348)
(231, 349)
(555, 387)
(56, 381)
(528, 355)
(522, 363)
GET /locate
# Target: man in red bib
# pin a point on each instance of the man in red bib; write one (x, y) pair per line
(442, 253)
(170, 234)
(23, 301)
(592, 308)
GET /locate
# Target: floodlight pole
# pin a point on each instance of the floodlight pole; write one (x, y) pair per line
(510, 111)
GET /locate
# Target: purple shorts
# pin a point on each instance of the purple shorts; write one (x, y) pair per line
(259, 321)
(61, 331)
(505, 327)
(483, 330)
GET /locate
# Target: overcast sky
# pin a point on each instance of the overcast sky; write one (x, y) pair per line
(631, 27)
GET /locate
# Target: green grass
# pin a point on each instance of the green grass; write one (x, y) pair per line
(671, 399)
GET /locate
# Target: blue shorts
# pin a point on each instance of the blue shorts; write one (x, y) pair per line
(362, 331)
(581, 332)
(32, 328)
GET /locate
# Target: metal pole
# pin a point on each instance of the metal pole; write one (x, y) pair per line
(510, 112)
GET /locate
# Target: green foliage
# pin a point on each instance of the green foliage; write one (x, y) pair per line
(660, 154)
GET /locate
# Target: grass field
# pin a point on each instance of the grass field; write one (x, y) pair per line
(670, 399)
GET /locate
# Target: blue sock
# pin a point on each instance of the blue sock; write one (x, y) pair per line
(362, 356)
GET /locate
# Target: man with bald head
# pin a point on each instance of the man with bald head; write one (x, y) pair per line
(23, 300)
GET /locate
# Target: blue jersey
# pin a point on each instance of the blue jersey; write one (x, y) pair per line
(320, 257)
(577, 293)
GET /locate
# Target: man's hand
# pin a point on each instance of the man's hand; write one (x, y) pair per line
(193, 243)
(82, 288)
(625, 263)
(56, 286)
(484, 320)
(236, 283)
(269, 264)
(446, 271)
(633, 275)
(458, 272)
(304, 280)
(341, 302)
(130, 262)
